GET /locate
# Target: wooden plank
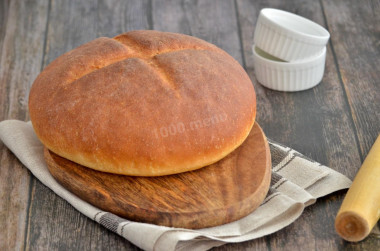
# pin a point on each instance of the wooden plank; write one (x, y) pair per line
(213, 21)
(4, 10)
(70, 25)
(355, 28)
(53, 223)
(21, 30)
(117, 16)
(315, 122)
(56, 225)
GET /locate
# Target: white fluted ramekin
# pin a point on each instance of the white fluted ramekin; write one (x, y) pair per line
(279, 75)
(288, 36)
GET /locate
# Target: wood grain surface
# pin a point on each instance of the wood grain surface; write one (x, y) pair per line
(20, 62)
(334, 123)
(214, 195)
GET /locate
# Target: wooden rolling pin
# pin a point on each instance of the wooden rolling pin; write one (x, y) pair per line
(360, 209)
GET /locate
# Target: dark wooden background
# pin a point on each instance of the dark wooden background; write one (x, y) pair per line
(335, 123)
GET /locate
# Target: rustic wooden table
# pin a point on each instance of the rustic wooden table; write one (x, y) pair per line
(334, 123)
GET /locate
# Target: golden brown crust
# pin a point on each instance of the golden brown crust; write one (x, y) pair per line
(145, 103)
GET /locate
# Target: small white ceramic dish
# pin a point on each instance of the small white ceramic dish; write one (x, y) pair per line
(288, 36)
(279, 75)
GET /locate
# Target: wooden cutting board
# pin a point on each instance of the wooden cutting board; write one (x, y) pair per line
(214, 195)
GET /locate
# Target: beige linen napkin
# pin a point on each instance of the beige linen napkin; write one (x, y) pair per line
(296, 183)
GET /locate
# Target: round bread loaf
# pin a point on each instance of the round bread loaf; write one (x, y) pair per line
(143, 103)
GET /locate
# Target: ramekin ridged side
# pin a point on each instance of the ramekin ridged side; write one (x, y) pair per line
(285, 76)
(284, 41)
